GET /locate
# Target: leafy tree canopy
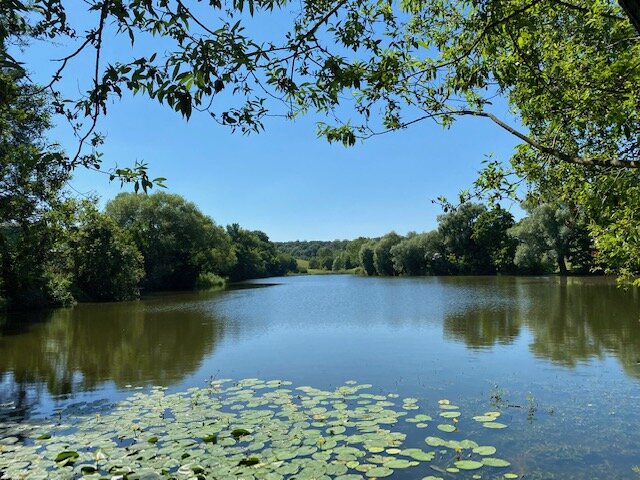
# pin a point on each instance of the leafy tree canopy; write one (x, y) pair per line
(177, 241)
(568, 68)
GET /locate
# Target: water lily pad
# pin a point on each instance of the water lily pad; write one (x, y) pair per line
(484, 418)
(495, 462)
(448, 406)
(468, 465)
(496, 425)
(399, 463)
(379, 472)
(245, 429)
(249, 461)
(67, 456)
(435, 441)
(511, 475)
(446, 427)
(450, 414)
(484, 450)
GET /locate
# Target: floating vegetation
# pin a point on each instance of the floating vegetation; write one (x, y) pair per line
(251, 429)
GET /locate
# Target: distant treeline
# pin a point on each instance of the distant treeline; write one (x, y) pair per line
(74, 252)
(469, 240)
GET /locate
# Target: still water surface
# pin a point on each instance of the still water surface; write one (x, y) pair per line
(559, 357)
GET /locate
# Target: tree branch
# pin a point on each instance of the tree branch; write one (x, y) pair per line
(632, 9)
(554, 152)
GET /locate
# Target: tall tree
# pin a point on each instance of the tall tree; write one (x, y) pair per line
(382, 258)
(549, 237)
(108, 265)
(366, 256)
(490, 234)
(178, 242)
(464, 253)
(32, 175)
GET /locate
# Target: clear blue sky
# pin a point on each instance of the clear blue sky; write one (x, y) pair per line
(286, 181)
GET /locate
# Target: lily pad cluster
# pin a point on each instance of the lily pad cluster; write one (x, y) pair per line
(250, 429)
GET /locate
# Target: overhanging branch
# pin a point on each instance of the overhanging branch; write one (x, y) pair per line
(590, 161)
(632, 9)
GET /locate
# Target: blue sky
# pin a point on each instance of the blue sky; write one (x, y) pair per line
(286, 181)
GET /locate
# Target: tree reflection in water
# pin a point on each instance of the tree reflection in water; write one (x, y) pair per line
(572, 320)
(158, 341)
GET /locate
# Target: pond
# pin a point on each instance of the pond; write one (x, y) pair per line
(558, 358)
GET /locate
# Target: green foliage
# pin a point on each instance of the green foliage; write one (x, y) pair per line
(382, 259)
(284, 264)
(575, 88)
(35, 265)
(412, 60)
(108, 265)
(306, 250)
(257, 256)
(209, 280)
(408, 256)
(548, 237)
(366, 255)
(32, 173)
(465, 255)
(177, 241)
(490, 234)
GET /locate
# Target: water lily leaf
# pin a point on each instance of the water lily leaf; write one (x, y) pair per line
(435, 441)
(247, 429)
(446, 427)
(495, 462)
(67, 456)
(468, 465)
(467, 444)
(418, 454)
(511, 475)
(448, 406)
(494, 425)
(379, 472)
(336, 430)
(450, 414)
(239, 432)
(484, 418)
(484, 450)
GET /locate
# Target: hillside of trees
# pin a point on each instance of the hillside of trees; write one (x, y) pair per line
(469, 240)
